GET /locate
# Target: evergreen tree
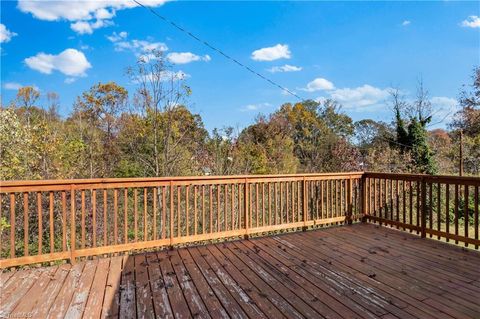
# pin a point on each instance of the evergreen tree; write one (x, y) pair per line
(412, 134)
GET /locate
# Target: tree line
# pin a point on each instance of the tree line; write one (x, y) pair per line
(111, 132)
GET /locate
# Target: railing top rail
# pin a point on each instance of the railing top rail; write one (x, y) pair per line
(428, 178)
(26, 183)
(6, 185)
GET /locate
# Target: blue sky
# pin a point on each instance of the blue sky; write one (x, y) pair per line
(351, 51)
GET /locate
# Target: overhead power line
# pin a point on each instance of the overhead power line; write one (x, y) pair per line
(154, 12)
(175, 25)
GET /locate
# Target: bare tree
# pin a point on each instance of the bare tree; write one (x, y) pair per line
(422, 107)
(160, 91)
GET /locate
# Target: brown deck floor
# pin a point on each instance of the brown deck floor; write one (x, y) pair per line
(359, 271)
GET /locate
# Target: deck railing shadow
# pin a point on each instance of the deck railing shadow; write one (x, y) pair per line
(48, 221)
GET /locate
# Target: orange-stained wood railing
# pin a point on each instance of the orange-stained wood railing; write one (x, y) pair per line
(68, 219)
(425, 204)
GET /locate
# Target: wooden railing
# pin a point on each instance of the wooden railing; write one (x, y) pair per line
(44, 221)
(443, 206)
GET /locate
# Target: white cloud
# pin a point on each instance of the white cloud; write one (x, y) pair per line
(359, 97)
(5, 34)
(117, 36)
(12, 86)
(171, 75)
(471, 22)
(443, 108)
(103, 14)
(16, 86)
(285, 68)
(70, 80)
(319, 84)
(255, 107)
(81, 13)
(443, 101)
(279, 51)
(87, 27)
(406, 22)
(164, 76)
(186, 57)
(138, 47)
(70, 62)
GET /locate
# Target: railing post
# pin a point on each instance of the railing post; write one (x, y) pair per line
(171, 214)
(72, 225)
(349, 201)
(363, 197)
(246, 215)
(423, 194)
(305, 204)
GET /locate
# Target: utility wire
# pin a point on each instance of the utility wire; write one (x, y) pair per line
(154, 12)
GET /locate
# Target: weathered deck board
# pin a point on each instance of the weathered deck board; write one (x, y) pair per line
(358, 271)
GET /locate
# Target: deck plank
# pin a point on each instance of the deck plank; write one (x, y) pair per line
(241, 296)
(190, 292)
(306, 290)
(128, 302)
(11, 286)
(93, 308)
(418, 275)
(143, 291)
(178, 303)
(405, 250)
(82, 290)
(443, 282)
(159, 292)
(29, 300)
(20, 288)
(356, 271)
(369, 287)
(282, 268)
(62, 301)
(282, 285)
(48, 296)
(263, 287)
(228, 301)
(256, 295)
(211, 301)
(111, 298)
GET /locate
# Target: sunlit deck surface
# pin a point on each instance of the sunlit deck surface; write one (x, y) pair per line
(358, 271)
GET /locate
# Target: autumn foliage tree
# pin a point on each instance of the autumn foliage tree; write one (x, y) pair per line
(467, 120)
(152, 132)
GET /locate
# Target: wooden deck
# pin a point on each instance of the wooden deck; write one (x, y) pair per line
(358, 271)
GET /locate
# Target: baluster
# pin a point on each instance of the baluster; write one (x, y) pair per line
(125, 215)
(64, 221)
(94, 217)
(456, 212)
(50, 204)
(195, 213)
(82, 218)
(12, 225)
(115, 216)
(155, 190)
(25, 223)
(465, 213)
(40, 222)
(145, 212)
(135, 214)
